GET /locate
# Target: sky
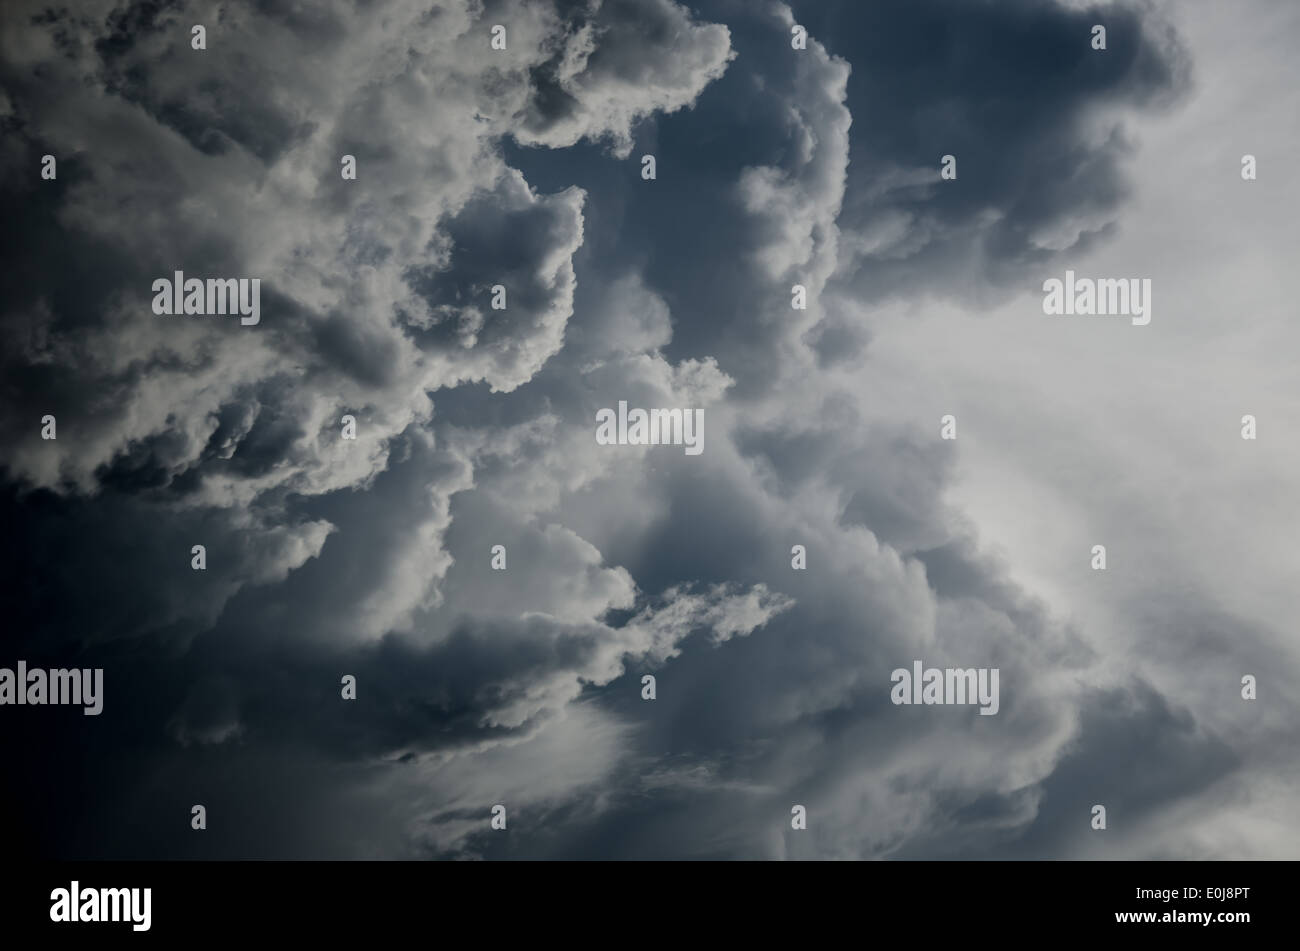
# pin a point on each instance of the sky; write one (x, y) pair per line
(372, 558)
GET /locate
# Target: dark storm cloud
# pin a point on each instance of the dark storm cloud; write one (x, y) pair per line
(785, 712)
(330, 557)
(1130, 731)
(617, 61)
(179, 432)
(1013, 92)
(1011, 89)
(506, 239)
(83, 571)
(409, 94)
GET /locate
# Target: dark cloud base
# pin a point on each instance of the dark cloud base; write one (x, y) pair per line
(222, 688)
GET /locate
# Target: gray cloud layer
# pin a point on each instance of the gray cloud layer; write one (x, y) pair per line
(371, 557)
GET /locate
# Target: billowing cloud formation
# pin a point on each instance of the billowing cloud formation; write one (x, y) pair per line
(619, 61)
(227, 162)
(373, 557)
